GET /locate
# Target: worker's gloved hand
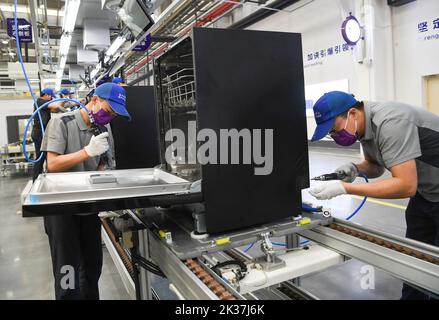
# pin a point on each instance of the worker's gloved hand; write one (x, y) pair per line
(62, 109)
(350, 170)
(98, 145)
(328, 190)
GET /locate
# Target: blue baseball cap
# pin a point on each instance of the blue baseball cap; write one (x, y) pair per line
(117, 80)
(116, 97)
(327, 108)
(48, 91)
(65, 92)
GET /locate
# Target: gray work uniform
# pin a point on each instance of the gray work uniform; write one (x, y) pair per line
(397, 132)
(75, 240)
(68, 134)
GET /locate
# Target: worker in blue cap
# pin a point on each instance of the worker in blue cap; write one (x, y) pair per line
(67, 94)
(401, 138)
(75, 240)
(37, 133)
(119, 81)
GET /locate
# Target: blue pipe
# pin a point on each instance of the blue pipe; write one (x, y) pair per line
(311, 209)
(249, 247)
(20, 58)
(362, 202)
(37, 111)
(308, 208)
(30, 121)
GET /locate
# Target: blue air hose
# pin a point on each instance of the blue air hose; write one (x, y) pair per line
(33, 116)
(37, 111)
(308, 208)
(362, 202)
(20, 58)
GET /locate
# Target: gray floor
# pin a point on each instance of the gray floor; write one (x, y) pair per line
(25, 266)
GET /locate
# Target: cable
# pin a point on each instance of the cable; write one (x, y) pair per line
(240, 264)
(362, 202)
(308, 208)
(30, 121)
(37, 111)
(149, 269)
(20, 58)
(148, 265)
(249, 247)
(362, 175)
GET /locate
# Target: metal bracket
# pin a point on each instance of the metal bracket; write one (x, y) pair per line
(270, 261)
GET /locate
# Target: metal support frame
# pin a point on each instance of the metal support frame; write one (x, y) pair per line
(413, 270)
(293, 241)
(123, 272)
(144, 276)
(177, 273)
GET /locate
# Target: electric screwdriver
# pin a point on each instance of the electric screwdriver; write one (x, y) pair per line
(95, 130)
(330, 176)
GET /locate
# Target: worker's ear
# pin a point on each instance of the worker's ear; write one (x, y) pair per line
(94, 100)
(354, 112)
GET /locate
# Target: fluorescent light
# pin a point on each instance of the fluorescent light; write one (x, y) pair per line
(117, 43)
(70, 13)
(65, 44)
(5, 41)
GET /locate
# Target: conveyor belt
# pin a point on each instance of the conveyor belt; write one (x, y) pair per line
(385, 243)
(217, 288)
(412, 261)
(120, 250)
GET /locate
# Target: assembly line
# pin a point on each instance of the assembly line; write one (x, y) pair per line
(196, 160)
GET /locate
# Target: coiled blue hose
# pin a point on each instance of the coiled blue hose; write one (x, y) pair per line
(362, 202)
(37, 111)
(30, 121)
(311, 209)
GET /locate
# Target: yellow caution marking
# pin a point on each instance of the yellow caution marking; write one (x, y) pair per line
(162, 233)
(222, 241)
(305, 221)
(383, 203)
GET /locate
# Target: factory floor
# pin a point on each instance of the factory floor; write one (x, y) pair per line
(25, 265)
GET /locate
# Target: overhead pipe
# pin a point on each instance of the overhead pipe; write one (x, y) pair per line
(218, 11)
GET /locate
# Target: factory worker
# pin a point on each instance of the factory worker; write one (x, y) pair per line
(395, 136)
(36, 134)
(67, 94)
(119, 81)
(75, 240)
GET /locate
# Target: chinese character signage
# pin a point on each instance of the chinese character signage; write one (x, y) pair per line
(429, 29)
(331, 51)
(24, 29)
